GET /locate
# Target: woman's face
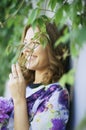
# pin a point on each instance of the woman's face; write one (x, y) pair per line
(36, 55)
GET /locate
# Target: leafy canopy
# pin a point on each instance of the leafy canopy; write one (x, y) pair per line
(14, 15)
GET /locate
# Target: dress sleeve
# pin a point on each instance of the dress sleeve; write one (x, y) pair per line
(51, 110)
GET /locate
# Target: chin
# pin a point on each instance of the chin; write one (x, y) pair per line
(31, 67)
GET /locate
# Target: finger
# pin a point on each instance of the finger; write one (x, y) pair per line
(14, 72)
(19, 72)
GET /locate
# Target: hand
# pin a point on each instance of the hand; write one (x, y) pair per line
(17, 83)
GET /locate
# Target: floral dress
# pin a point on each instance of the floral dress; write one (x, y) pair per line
(48, 107)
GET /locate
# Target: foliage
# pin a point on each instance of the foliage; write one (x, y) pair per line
(68, 78)
(15, 14)
(82, 125)
(12, 20)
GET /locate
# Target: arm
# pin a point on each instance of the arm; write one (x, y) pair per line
(18, 92)
(20, 115)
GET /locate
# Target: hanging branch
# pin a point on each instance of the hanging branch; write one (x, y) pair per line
(12, 15)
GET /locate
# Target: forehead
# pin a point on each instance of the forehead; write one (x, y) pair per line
(30, 33)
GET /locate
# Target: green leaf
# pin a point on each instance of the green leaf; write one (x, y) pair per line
(58, 15)
(67, 78)
(62, 39)
(36, 36)
(43, 40)
(52, 4)
(79, 36)
(33, 15)
(39, 3)
(75, 49)
(8, 49)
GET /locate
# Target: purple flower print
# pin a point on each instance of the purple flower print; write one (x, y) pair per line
(31, 100)
(58, 124)
(41, 107)
(3, 128)
(38, 103)
(63, 98)
(53, 87)
(6, 106)
(48, 93)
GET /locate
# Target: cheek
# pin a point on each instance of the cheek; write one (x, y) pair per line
(44, 57)
(41, 53)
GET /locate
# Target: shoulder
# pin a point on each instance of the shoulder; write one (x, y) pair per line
(56, 87)
(59, 93)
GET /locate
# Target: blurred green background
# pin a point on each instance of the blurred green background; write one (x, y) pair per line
(14, 15)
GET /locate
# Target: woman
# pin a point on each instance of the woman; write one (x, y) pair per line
(36, 77)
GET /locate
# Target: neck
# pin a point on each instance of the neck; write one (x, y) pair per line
(39, 75)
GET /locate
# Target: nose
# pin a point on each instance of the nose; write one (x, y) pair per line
(27, 51)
